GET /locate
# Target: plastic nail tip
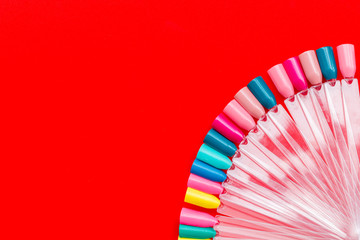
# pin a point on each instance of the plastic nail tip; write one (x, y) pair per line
(196, 218)
(201, 199)
(262, 92)
(213, 157)
(180, 238)
(228, 129)
(311, 67)
(296, 73)
(220, 143)
(239, 115)
(281, 80)
(206, 171)
(187, 231)
(250, 103)
(204, 185)
(327, 62)
(347, 63)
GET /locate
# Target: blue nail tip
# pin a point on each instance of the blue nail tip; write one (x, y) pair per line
(206, 171)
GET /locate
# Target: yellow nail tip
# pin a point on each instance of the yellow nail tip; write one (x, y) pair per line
(201, 199)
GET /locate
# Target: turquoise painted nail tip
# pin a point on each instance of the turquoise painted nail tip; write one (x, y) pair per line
(220, 143)
(213, 157)
(186, 231)
(262, 92)
(327, 62)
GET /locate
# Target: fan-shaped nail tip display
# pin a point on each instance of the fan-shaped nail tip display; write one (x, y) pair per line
(295, 175)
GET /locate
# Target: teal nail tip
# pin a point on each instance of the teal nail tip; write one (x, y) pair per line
(262, 92)
(327, 62)
(220, 143)
(213, 157)
(187, 231)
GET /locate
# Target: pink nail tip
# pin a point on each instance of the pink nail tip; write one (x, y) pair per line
(295, 72)
(197, 218)
(204, 185)
(347, 63)
(281, 80)
(311, 67)
(250, 103)
(228, 129)
(239, 115)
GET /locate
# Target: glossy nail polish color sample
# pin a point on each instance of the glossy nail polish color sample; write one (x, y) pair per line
(201, 199)
(249, 103)
(262, 92)
(239, 115)
(281, 80)
(347, 63)
(187, 231)
(213, 157)
(220, 143)
(227, 128)
(204, 185)
(206, 171)
(296, 73)
(311, 67)
(327, 62)
(180, 238)
(196, 218)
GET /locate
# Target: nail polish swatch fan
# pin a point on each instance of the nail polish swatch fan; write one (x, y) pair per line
(295, 174)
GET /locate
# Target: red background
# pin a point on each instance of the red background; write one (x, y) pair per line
(105, 103)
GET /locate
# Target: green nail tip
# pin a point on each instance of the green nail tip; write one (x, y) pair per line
(186, 231)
